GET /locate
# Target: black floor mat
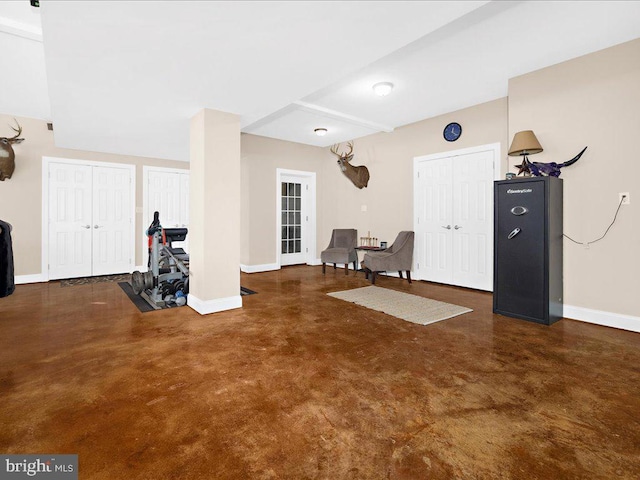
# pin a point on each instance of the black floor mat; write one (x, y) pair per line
(246, 291)
(145, 306)
(137, 300)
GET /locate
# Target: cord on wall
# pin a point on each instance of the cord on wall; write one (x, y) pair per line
(586, 244)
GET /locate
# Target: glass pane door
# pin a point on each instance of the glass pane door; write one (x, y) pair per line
(292, 244)
(291, 217)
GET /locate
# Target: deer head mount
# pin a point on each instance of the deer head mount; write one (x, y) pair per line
(7, 155)
(359, 176)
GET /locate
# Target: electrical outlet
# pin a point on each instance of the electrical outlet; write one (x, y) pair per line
(626, 200)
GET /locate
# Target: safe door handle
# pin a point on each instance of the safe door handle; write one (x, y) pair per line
(448, 227)
(513, 233)
(519, 210)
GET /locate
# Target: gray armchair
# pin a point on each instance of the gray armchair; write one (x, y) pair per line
(396, 258)
(341, 249)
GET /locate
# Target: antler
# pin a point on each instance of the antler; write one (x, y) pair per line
(350, 145)
(334, 150)
(18, 131)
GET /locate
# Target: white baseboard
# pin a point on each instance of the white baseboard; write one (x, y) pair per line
(606, 319)
(267, 267)
(35, 278)
(212, 306)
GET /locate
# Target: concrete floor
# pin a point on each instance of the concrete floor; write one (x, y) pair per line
(299, 385)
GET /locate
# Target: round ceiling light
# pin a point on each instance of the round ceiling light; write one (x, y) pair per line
(383, 88)
(321, 132)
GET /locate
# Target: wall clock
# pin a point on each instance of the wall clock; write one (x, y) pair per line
(452, 132)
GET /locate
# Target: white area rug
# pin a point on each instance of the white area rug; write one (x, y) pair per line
(411, 308)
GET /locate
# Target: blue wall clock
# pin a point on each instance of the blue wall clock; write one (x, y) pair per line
(452, 132)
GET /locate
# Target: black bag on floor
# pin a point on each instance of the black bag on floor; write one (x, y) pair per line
(7, 281)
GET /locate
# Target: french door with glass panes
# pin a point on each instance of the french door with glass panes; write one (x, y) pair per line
(296, 223)
(292, 241)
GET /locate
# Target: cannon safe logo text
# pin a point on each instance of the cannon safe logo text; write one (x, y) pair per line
(46, 467)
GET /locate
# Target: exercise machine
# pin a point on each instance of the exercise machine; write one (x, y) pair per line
(167, 280)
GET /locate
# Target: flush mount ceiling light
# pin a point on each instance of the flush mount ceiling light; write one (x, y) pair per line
(383, 88)
(321, 132)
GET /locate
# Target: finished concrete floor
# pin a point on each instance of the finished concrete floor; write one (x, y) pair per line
(299, 385)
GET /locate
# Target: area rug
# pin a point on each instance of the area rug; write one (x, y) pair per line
(405, 306)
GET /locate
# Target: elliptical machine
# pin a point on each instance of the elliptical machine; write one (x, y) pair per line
(167, 280)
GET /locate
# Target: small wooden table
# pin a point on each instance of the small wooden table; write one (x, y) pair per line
(366, 248)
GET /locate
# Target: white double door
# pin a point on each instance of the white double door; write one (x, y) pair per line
(90, 226)
(166, 191)
(454, 219)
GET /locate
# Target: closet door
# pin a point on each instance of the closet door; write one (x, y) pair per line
(434, 255)
(454, 220)
(164, 198)
(168, 194)
(472, 233)
(111, 227)
(70, 222)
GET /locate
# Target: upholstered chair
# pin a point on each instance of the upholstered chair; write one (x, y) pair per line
(341, 249)
(396, 258)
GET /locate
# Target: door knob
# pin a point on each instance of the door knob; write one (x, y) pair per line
(457, 227)
(98, 226)
(86, 226)
(448, 227)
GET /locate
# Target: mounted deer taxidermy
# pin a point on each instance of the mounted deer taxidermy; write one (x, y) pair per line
(7, 155)
(359, 176)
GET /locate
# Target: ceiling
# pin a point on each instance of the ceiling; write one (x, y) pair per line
(126, 77)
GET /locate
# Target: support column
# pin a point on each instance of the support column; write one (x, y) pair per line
(214, 212)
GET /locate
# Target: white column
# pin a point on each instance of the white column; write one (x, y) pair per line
(214, 212)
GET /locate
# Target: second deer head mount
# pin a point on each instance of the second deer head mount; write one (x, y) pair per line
(359, 176)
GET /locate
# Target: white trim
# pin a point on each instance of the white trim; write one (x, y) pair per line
(13, 27)
(266, 267)
(345, 117)
(35, 278)
(213, 306)
(310, 209)
(495, 147)
(144, 248)
(45, 205)
(599, 317)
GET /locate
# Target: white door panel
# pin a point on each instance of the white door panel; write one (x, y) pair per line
(70, 225)
(111, 220)
(167, 194)
(473, 220)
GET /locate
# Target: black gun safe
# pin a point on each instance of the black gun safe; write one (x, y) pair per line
(527, 273)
